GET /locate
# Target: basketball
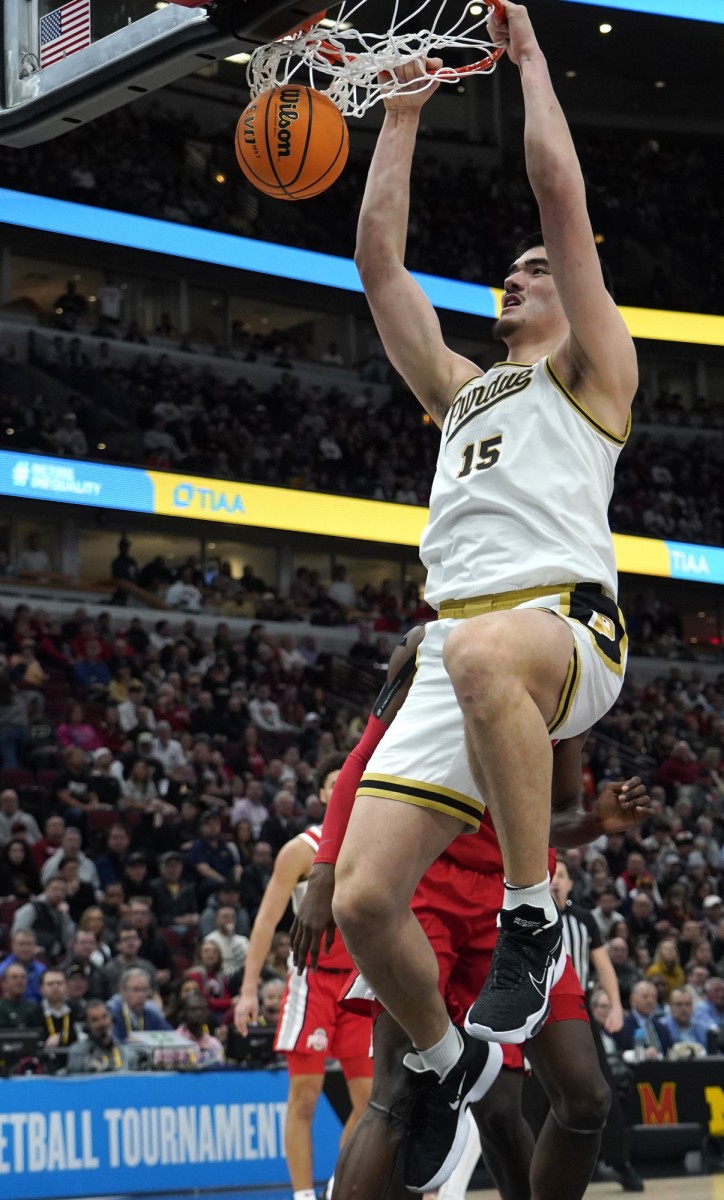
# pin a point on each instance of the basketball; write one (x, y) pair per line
(292, 142)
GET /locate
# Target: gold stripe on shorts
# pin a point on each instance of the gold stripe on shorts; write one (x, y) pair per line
(475, 606)
(568, 695)
(423, 795)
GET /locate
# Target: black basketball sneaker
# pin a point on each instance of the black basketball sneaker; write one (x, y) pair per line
(528, 960)
(438, 1129)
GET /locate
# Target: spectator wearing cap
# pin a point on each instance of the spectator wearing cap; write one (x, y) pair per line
(154, 948)
(136, 879)
(13, 821)
(606, 913)
(23, 950)
(212, 859)
(47, 917)
(227, 896)
(251, 807)
(669, 871)
(127, 955)
(111, 864)
(73, 789)
(166, 750)
(70, 847)
(104, 781)
(712, 912)
(134, 714)
(174, 900)
(131, 1008)
(709, 1013)
(77, 985)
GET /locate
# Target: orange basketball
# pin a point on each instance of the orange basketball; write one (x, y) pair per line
(292, 142)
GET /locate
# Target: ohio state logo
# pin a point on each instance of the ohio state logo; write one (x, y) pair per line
(318, 1040)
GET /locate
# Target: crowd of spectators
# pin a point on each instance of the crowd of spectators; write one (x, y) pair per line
(144, 799)
(317, 437)
(152, 162)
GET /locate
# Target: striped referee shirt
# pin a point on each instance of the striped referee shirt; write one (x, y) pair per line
(581, 935)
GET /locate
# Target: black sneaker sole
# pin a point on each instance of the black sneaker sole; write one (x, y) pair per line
(531, 1026)
(483, 1083)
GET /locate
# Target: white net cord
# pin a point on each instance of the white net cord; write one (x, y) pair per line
(348, 63)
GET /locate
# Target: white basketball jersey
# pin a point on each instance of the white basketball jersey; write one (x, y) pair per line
(521, 491)
(311, 836)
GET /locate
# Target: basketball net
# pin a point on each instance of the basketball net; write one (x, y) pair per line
(362, 66)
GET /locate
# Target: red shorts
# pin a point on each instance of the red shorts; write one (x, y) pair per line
(458, 908)
(313, 1027)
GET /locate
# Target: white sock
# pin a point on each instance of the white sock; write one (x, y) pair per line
(537, 896)
(330, 1188)
(444, 1054)
(456, 1187)
(305, 1194)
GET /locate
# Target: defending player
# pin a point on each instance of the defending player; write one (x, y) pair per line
(312, 1026)
(519, 505)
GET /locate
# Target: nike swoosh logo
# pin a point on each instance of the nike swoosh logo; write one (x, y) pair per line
(455, 1104)
(538, 984)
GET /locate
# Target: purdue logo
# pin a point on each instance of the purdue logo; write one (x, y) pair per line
(286, 115)
(467, 406)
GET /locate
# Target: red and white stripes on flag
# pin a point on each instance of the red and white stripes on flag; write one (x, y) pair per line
(64, 31)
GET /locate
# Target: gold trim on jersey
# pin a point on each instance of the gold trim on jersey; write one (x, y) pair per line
(475, 606)
(423, 795)
(583, 411)
(568, 695)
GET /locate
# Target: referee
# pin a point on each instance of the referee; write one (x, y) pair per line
(582, 940)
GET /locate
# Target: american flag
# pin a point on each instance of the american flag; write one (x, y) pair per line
(64, 31)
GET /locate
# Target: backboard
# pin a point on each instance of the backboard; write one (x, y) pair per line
(65, 62)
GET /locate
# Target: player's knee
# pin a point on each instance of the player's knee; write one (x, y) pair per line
(473, 662)
(359, 908)
(302, 1102)
(584, 1108)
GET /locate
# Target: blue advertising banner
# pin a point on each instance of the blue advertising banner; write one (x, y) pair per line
(96, 1135)
(33, 477)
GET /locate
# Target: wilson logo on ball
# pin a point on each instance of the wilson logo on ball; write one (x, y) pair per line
(292, 142)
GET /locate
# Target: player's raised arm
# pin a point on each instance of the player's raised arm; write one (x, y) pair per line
(597, 361)
(406, 320)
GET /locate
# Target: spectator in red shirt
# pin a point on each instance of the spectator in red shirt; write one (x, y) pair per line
(210, 977)
(681, 767)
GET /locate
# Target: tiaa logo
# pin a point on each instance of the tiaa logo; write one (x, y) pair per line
(206, 499)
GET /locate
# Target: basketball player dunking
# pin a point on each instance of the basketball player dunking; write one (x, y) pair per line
(518, 506)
